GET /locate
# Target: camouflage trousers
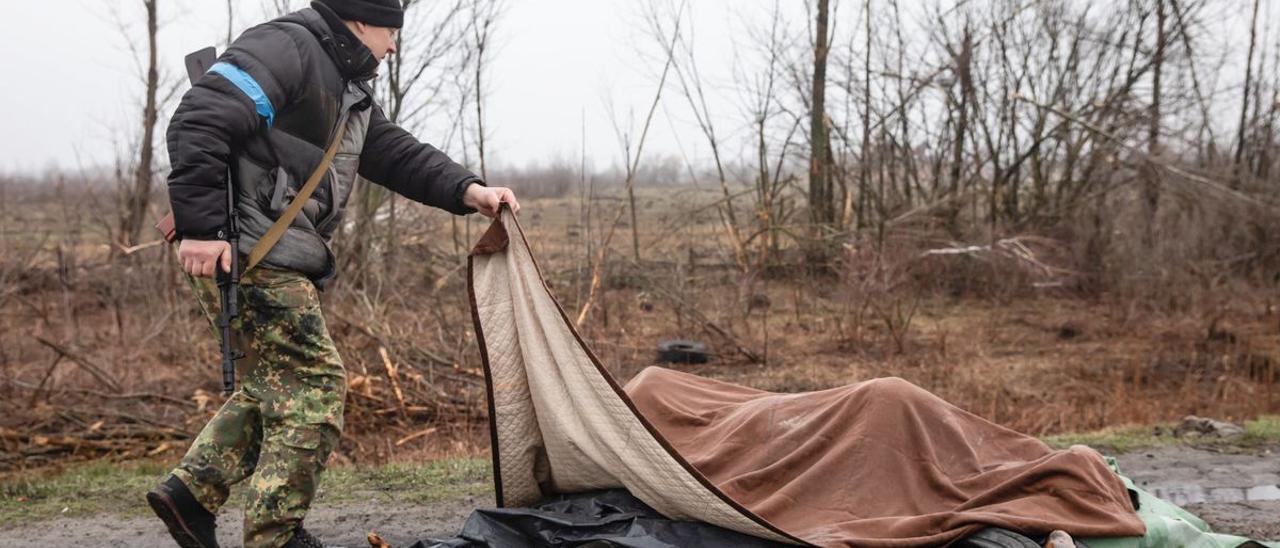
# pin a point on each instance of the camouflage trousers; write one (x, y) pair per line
(285, 417)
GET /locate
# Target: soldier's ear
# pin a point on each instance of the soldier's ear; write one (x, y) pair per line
(357, 28)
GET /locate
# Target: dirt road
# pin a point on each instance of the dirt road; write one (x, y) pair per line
(1235, 493)
(341, 525)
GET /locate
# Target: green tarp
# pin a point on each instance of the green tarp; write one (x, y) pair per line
(1169, 526)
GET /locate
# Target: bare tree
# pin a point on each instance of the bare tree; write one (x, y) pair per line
(231, 21)
(766, 110)
(1244, 100)
(277, 8)
(821, 206)
(410, 89)
(1151, 187)
(138, 196)
(864, 161)
(681, 58)
(632, 167)
(485, 16)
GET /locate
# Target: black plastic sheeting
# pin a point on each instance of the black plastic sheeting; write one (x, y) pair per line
(593, 519)
(615, 518)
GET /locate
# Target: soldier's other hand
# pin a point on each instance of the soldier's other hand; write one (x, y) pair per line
(488, 199)
(201, 257)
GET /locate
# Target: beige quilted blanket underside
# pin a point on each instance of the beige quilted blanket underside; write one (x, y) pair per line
(560, 423)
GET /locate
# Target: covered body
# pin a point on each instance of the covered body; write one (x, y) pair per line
(877, 463)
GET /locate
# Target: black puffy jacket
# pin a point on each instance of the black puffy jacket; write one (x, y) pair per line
(269, 108)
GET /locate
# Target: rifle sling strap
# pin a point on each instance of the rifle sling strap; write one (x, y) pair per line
(278, 229)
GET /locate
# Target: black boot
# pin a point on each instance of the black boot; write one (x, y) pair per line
(188, 522)
(303, 539)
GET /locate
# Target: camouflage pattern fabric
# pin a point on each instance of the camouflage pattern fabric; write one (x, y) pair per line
(285, 417)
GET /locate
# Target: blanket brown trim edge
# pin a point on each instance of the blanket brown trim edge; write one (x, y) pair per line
(495, 239)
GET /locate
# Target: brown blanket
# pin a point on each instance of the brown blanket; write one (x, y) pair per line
(878, 463)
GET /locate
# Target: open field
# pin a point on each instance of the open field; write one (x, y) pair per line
(1060, 216)
(109, 357)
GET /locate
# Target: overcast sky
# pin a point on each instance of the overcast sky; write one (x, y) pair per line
(74, 89)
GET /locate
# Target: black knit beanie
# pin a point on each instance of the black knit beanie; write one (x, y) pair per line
(379, 13)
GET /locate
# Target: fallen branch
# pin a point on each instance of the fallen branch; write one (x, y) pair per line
(382, 341)
(84, 363)
(127, 416)
(432, 356)
(415, 436)
(1012, 248)
(104, 395)
(395, 379)
(130, 250)
(411, 410)
(709, 325)
(35, 392)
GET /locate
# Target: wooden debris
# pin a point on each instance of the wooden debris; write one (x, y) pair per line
(415, 435)
(84, 363)
(395, 379)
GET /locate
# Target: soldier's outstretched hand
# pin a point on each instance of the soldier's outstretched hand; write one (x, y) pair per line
(488, 199)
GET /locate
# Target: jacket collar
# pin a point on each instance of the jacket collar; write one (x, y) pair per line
(354, 60)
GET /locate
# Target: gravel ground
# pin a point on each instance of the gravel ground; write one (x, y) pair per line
(1216, 486)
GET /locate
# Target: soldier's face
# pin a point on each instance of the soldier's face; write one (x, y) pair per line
(380, 40)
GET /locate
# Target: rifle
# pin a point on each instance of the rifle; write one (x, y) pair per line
(198, 63)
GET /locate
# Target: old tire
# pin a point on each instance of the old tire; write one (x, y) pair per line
(682, 351)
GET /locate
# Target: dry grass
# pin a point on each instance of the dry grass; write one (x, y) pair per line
(972, 328)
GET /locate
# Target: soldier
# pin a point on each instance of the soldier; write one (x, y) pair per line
(268, 110)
